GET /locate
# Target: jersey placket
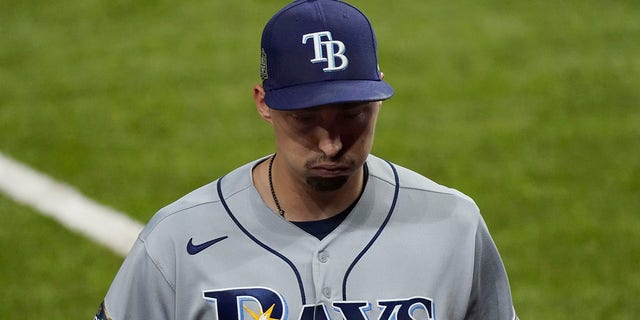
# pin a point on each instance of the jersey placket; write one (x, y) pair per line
(324, 276)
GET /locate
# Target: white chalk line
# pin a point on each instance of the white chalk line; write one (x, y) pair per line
(68, 206)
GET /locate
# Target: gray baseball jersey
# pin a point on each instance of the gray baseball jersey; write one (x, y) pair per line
(409, 249)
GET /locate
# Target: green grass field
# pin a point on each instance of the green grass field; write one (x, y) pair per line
(531, 107)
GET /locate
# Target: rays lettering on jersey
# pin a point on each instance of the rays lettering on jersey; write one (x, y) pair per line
(266, 304)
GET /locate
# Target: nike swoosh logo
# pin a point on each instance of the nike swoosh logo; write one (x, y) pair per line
(196, 248)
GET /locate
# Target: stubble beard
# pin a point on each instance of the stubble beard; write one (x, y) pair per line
(327, 184)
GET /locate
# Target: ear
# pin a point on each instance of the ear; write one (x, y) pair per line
(261, 105)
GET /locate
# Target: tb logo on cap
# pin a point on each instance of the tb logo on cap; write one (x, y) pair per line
(330, 46)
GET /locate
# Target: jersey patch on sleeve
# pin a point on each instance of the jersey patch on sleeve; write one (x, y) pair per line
(102, 313)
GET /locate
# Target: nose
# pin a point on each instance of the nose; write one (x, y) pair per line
(329, 142)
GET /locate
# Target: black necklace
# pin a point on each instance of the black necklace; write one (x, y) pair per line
(273, 191)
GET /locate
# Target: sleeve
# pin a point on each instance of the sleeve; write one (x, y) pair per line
(490, 292)
(139, 291)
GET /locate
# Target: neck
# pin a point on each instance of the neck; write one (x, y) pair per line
(299, 200)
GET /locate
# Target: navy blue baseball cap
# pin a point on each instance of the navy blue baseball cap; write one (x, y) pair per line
(319, 52)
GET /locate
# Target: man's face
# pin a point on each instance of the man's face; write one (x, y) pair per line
(325, 146)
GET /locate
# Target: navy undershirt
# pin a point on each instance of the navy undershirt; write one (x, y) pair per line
(321, 228)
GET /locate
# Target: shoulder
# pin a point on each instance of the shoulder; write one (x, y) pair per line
(408, 179)
(197, 216)
(200, 206)
(189, 204)
(423, 194)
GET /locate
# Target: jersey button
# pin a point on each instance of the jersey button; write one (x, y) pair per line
(323, 256)
(326, 292)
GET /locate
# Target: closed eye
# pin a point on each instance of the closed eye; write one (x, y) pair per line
(352, 114)
(305, 118)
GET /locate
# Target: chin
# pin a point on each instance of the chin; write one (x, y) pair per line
(327, 184)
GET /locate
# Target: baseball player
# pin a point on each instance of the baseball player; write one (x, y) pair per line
(320, 229)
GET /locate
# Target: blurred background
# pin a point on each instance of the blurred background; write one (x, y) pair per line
(530, 107)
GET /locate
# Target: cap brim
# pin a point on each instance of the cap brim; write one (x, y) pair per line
(327, 92)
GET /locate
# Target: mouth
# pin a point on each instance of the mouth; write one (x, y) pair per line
(328, 171)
